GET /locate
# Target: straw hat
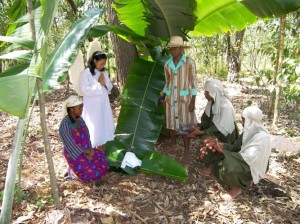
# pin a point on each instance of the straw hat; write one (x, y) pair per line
(177, 41)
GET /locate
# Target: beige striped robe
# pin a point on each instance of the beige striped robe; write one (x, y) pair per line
(181, 84)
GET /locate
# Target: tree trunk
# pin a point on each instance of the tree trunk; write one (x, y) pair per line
(278, 63)
(279, 59)
(124, 51)
(234, 55)
(45, 135)
(216, 55)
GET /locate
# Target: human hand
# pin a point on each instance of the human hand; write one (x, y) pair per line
(101, 79)
(214, 145)
(89, 157)
(100, 147)
(195, 133)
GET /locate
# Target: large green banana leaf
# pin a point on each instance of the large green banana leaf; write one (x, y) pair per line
(17, 83)
(64, 54)
(24, 55)
(173, 17)
(161, 19)
(270, 8)
(14, 12)
(61, 58)
(218, 16)
(152, 162)
(15, 70)
(141, 119)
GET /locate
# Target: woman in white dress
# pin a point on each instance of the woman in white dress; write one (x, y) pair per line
(97, 113)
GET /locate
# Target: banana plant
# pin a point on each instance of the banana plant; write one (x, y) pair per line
(141, 120)
(166, 18)
(23, 77)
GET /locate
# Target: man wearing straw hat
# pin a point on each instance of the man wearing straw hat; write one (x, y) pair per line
(180, 93)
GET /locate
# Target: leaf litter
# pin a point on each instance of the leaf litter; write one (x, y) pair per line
(147, 198)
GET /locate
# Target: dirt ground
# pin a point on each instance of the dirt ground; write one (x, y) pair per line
(148, 198)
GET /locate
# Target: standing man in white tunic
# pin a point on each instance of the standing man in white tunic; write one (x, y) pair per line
(97, 113)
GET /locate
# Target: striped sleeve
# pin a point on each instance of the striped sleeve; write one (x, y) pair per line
(66, 136)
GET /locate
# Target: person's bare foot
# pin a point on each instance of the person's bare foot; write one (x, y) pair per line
(250, 183)
(207, 171)
(171, 148)
(185, 158)
(233, 193)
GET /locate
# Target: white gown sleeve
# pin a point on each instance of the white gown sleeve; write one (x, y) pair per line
(108, 83)
(89, 86)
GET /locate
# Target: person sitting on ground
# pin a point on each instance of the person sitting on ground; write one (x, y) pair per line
(218, 119)
(89, 164)
(244, 162)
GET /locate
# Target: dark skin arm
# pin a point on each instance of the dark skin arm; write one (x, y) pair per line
(192, 104)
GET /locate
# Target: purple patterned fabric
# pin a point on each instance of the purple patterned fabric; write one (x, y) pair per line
(85, 169)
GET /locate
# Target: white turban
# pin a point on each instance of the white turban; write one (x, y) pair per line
(222, 109)
(256, 148)
(71, 101)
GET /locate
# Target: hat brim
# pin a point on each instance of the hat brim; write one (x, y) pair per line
(177, 45)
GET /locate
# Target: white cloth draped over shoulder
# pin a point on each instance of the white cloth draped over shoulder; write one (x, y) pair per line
(97, 112)
(256, 148)
(222, 109)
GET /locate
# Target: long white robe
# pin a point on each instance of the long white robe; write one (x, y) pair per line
(97, 112)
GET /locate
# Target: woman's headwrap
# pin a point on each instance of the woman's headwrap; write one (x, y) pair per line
(71, 101)
(256, 148)
(222, 109)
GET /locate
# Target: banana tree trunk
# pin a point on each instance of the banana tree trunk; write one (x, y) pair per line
(9, 189)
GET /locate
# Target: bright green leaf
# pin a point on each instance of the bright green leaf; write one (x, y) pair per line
(16, 101)
(18, 55)
(271, 8)
(140, 119)
(219, 16)
(161, 19)
(49, 10)
(17, 69)
(18, 40)
(64, 54)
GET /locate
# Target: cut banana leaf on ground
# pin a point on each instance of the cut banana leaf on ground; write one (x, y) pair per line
(153, 162)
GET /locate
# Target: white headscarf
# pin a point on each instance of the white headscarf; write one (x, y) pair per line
(71, 101)
(256, 148)
(222, 109)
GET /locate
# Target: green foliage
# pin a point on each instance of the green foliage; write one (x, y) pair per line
(249, 103)
(64, 54)
(219, 16)
(270, 8)
(161, 19)
(291, 133)
(141, 119)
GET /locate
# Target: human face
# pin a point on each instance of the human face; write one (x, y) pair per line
(100, 64)
(77, 111)
(207, 96)
(176, 52)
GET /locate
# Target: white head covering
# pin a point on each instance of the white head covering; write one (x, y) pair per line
(71, 101)
(222, 109)
(256, 148)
